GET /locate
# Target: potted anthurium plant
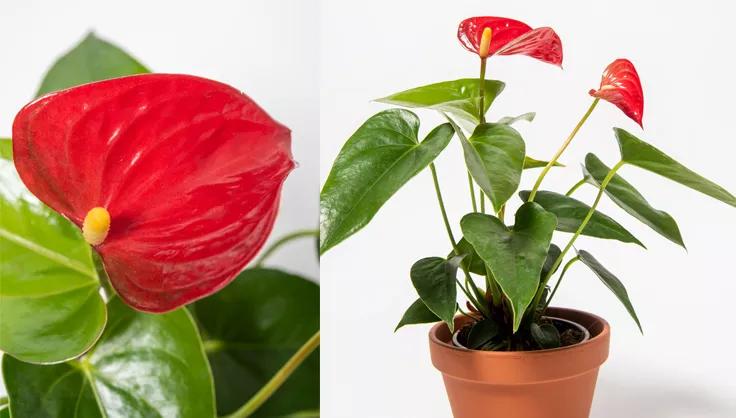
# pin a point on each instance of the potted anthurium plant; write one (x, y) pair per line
(123, 201)
(504, 351)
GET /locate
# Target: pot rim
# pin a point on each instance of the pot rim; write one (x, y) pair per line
(605, 332)
(585, 331)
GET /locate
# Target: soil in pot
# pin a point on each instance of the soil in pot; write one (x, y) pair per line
(570, 333)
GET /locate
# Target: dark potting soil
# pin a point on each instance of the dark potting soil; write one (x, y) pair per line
(569, 335)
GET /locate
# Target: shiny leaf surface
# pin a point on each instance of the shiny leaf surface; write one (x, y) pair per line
(434, 278)
(545, 335)
(620, 86)
(514, 255)
(190, 171)
(511, 37)
(630, 200)
(552, 253)
(144, 366)
(482, 332)
(636, 152)
(93, 59)
(471, 260)
(377, 160)
(570, 213)
(417, 313)
(50, 308)
(494, 154)
(460, 98)
(253, 326)
(611, 281)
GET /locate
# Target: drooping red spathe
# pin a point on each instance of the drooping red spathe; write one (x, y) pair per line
(510, 37)
(189, 169)
(620, 85)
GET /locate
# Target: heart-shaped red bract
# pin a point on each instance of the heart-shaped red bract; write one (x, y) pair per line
(621, 86)
(190, 171)
(511, 37)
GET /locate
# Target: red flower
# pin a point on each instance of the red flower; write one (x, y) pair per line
(620, 85)
(184, 172)
(510, 37)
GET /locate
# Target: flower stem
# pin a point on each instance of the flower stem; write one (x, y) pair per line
(564, 270)
(442, 208)
(283, 240)
(562, 149)
(482, 201)
(472, 192)
(575, 187)
(482, 91)
(278, 379)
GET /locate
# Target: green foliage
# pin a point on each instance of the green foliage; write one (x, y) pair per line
(434, 280)
(417, 313)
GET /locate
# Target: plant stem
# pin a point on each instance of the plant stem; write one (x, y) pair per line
(442, 208)
(472, 192)
(562, 149)
(482, 91)
(278, 379)
(579, 231)
(283, 240)
(564, 270)
(575, 187)
(482, 201)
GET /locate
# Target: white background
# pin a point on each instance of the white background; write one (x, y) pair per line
(684, 365)
(268, 49)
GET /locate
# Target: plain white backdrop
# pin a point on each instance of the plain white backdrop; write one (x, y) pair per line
(268, 49)
(683, 366)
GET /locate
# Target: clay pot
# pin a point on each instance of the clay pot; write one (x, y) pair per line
(557, 383)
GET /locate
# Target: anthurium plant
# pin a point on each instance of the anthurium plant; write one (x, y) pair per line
(129, 211)
(507, 267)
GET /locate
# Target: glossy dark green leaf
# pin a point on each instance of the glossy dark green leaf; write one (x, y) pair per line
(636, 152)
(6, 149)
(530, 162)
(143, 366)
(418, 313)
(434, 278)
(252, 327)
(552, 253)
(629, 199)
(611, 281)
(494, 155)
(514, 255)
(380, 157)
(93, 59)
(482, 332)
(571, 212)
(510, 120)
(545, 335)
(471, 260)
(460, 98)
(50, 307)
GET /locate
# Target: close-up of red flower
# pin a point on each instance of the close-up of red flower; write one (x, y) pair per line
(620, 85)
(509, 37)
(174, 179)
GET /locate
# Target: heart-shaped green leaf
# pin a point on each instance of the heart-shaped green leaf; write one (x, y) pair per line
(251, 328)
(629, 199)
(460, 98)
(510, 120)
(545, 335)
(571, 213)
(611, 281)
(494, 155)
(143, 366)
(434, 278)
(514, 255)
(418, 313)
(380, 157)
(93, 59)
(50, 304)
(482, 332)
(636, 152)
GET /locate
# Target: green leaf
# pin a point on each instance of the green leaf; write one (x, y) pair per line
(494, 155)
(611, 281)
(571, 212)
(471, 260)
(4, 411)
(516, 255)
(418, 313)
(510, 120)
(460, 98)
(530, 162)
(545, 335)
(629, 199)
(380, 157)
(93, 59)
(144, 366)
(482, 332)
(636, 152)
(6, 149)
(434, 278)
(50, 304)
(552, 253)
(252, 327)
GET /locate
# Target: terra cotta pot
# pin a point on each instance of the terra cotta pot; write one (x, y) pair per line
(556, 383)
